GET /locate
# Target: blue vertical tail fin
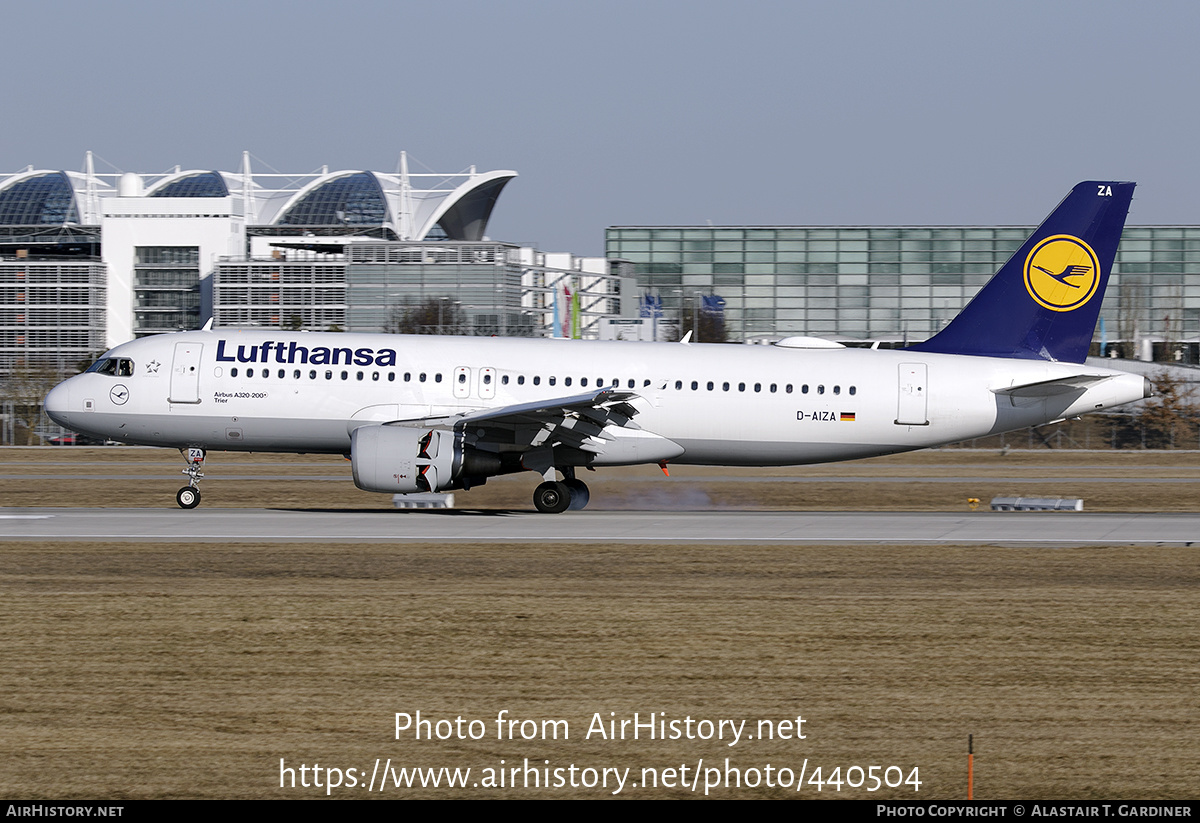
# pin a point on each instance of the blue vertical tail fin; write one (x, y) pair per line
(1043, 303)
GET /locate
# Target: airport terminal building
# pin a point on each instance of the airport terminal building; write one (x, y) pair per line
(89, 260)
(898, 283)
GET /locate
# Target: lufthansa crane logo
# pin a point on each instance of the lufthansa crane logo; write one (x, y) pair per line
(1062, 273)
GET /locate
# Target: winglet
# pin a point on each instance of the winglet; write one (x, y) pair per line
(687, 338)
(1043, 303)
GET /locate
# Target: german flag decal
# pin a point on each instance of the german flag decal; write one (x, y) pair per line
(848, 416)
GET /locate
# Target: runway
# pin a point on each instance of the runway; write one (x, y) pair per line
(1051, 529)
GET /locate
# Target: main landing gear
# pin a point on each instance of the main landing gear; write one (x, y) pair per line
(556, 496)
(189, 496)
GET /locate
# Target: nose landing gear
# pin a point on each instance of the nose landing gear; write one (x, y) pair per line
(189, 496)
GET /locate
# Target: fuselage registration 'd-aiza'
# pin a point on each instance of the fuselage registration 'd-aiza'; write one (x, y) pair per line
(435, 413)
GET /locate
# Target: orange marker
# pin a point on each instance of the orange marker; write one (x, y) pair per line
(970, 767)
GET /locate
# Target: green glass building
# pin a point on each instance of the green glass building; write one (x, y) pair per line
(897, 283)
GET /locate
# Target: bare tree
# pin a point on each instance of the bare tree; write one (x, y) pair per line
(433, 315)
(706, 323)
(24, 389)
(1171, 415)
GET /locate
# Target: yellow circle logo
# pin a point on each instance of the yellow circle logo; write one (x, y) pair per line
(1062, 273)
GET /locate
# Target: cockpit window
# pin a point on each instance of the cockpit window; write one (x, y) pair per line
(115, 366)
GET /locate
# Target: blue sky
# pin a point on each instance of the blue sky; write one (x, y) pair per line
(618, 113)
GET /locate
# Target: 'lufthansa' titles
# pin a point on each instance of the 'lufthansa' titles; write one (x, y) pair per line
(277, 352)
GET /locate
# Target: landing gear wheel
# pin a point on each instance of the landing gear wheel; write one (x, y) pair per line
(552, 497)
(188, 497)
(579, 494)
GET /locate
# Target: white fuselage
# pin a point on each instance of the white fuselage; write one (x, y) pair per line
(722, 404)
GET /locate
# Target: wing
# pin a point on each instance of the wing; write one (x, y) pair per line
(582, 429)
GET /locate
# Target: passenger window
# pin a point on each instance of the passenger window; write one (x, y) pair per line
(837, 389)
(804, 389)
(551, 380)
(788, 388)
(695, 385)
(359, 376)
(233, 372)
(537, 381)
(487, 380)
(249, 372)
(282, 374)
(644, 383)
(345, 375)
(820, 389)
(853, 390)
(520, 380)
(724, 387)
(631, 384)
(462, 378)
(391, 377)
(678, 385)
(407, 377)
(296, 374)
(328, 374)
(741, 386)
(773, 388)
(504, 380)
(421, 377)
(583, 382)
(374, 375)
(437, 378)
(758, 386)
(710, 385)
(566, 381)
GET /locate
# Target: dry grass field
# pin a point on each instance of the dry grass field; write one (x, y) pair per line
(190, 669)
(936, 480)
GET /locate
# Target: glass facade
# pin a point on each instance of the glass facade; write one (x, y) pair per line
(354, 200)
(894, 283)
(469, 288)
(52, 314)
(476, 283)
(42, 200)
(291, 294)
(205, 184)
(166, 289)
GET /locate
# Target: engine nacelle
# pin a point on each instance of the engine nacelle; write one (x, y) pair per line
(404, 460)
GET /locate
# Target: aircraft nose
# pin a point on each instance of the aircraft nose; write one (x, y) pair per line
(57, 404)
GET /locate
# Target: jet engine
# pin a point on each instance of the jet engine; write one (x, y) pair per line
(403, 460)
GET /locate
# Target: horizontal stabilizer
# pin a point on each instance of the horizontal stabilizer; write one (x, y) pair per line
(1059, 385)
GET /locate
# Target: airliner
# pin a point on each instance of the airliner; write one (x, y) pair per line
(435, 413)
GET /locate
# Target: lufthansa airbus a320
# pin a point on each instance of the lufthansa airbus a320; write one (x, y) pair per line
(427, 413)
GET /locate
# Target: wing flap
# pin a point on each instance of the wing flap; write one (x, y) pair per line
(598, 423)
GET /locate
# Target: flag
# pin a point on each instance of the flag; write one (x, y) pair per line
(566, 321)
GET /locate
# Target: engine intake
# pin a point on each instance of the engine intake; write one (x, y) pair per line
(402, 460)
